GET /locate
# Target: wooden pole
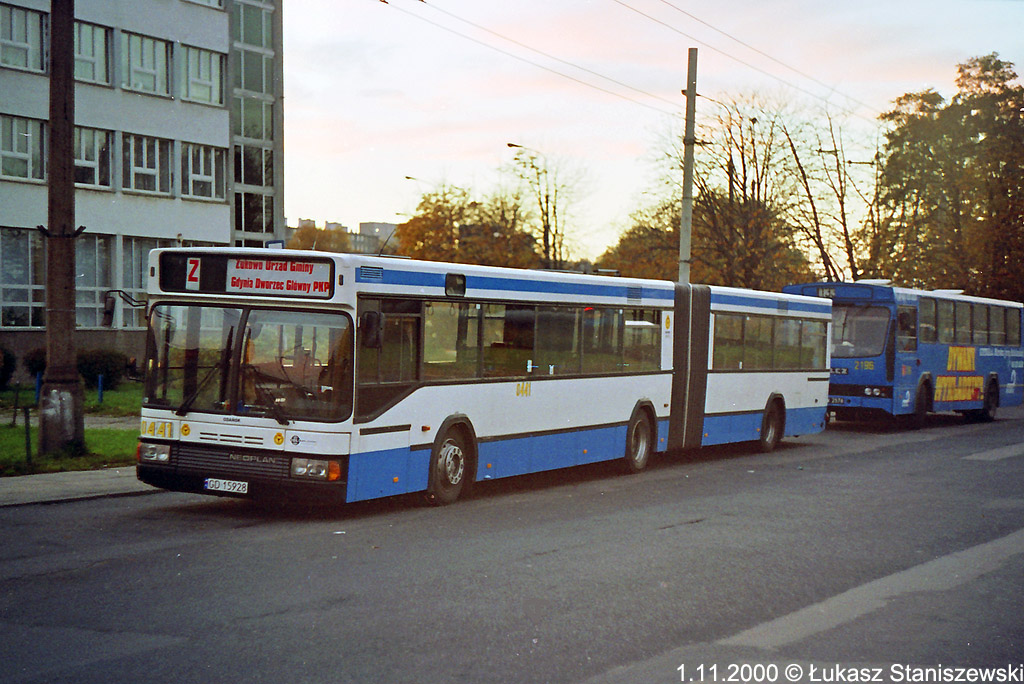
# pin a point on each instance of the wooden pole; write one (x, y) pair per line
(61, 423)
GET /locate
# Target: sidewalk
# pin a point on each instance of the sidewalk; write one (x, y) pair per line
(73, 486)
(78, 485)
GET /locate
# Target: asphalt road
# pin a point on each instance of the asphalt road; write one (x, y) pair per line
(864, 549)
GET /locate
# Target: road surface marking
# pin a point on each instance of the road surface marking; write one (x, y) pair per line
(941, 574)
(999, 454)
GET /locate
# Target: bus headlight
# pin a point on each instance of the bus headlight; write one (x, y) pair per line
(316, 469)
(154, 453)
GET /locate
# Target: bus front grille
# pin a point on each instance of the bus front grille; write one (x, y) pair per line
(240, 463)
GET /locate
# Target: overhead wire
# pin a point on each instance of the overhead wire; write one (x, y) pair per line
(794, 86)
(764, 54)
(677, 106)
(551, 56)
(537, 64)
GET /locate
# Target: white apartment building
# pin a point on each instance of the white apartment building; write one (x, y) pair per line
(178, 140)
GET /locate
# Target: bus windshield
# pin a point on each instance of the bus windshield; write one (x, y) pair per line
(859, 331)
(288, 365)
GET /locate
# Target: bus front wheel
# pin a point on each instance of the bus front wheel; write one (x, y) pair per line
(448, 469)
(922, 406)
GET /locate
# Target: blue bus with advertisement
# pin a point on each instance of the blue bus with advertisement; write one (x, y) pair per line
(906, 352)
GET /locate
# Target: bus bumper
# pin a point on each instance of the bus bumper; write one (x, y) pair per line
(854, 407)
(214, 475)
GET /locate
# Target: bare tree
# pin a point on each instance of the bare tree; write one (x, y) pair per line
(551, 190)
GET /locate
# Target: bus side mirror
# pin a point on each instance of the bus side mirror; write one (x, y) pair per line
(371, 330)
(109, 302)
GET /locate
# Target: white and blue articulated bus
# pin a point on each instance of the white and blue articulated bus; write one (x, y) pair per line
(899, 351)
(346, 377)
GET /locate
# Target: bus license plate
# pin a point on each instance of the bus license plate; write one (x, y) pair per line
(229, 486)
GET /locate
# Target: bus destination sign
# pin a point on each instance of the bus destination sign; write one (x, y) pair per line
(246, 275)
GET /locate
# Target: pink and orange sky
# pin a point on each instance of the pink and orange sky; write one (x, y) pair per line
(375, 91)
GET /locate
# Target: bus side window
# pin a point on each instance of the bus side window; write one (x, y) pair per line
(963, 323)
(1013, 328)
(906, 328)
(450, 340)
(602, 340)
(945, 321)
(389, 366)
(813, 344)
(926, 320)
(980, 324)
(508, 340)
(728, 340)
(997, 325)
(558, 340)
(642, 344)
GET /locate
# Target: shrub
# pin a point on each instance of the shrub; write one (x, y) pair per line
(7, 363)
(106, 362)
(34, 361)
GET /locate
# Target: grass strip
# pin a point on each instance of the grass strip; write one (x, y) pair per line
(104, 448)
(126, 400)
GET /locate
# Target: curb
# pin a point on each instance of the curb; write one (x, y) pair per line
(81, 485)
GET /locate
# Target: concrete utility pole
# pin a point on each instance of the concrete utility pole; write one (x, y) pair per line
(686, 221)
(60, 401)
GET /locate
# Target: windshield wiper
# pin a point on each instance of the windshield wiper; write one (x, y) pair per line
(265, 395)
(221, 364)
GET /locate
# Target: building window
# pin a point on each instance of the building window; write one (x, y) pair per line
(254, 213)
(22, 278)
(22, 148)
(252, 25)
(253, 118)
(209, 3)
(93, 268)
(255, 71)
(254, 165)
(92, 53)
(21, 38)
(92, 157)
(145, 64)
(203, 81)
(202, 171)
(146, 164)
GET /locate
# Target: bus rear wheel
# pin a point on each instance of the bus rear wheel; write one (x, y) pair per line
(987, 413)
(639, 442)
(448, 469)
(772, 426)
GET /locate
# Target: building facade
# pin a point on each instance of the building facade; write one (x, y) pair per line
(178, 140)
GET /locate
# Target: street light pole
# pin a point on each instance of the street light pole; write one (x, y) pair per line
(60, 401)
(543, 198)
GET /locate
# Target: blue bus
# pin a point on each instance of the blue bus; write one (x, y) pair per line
(346, 377)
(904, 352)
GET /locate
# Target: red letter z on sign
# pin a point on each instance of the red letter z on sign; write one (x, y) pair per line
(192, 274)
